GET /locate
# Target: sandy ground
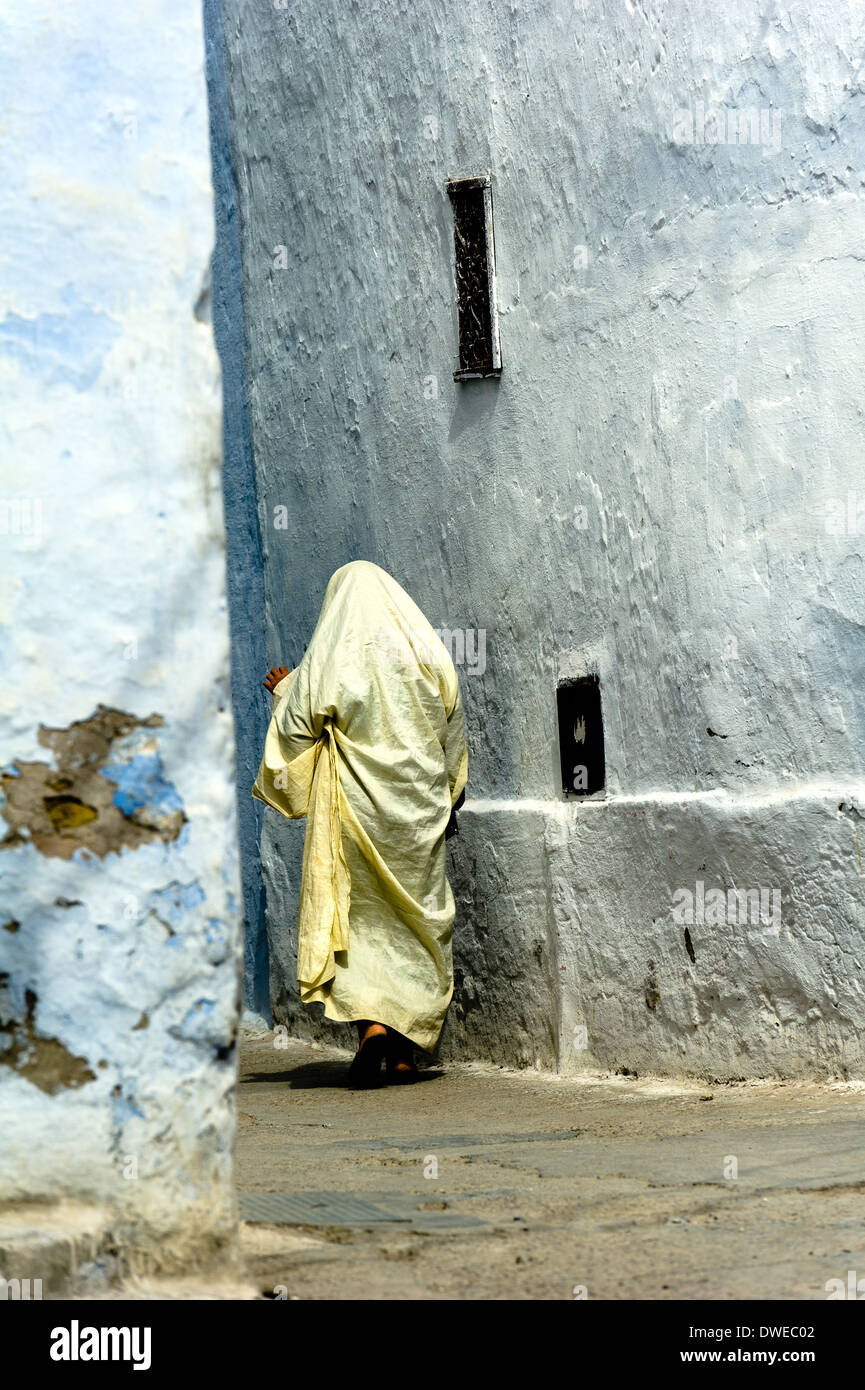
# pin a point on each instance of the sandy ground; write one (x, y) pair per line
(490, 1184)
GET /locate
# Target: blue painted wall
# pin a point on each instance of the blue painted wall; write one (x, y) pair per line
(243, 539)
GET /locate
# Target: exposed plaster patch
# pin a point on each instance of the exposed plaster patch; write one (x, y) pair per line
(45, 1062)
(106, 791)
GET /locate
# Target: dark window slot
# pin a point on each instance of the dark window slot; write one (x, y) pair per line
(581, 735)
(475, 268)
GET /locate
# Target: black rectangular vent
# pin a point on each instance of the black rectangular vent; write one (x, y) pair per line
(581, 735)
(475, 265)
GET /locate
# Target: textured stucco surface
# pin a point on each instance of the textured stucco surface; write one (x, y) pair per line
(119, 928)
(243, 541)
(651, 490)
(774, 990)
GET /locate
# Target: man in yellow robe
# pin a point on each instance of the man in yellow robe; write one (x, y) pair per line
(367, 741)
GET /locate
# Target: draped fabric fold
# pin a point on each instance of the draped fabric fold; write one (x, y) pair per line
(366, 740)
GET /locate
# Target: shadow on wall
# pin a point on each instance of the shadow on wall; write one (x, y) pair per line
(245, 581)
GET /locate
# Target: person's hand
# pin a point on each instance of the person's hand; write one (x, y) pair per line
(274, 676)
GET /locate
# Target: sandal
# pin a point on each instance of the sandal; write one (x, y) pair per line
(365, 1071)
(400, 1069)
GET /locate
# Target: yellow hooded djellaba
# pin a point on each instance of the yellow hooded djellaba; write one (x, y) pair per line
(367, 741)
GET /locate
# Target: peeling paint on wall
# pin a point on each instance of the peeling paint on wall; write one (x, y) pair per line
(121, 941)
(104, 792)
(41, 1060)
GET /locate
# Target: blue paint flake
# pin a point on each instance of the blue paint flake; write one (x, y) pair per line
(142, 786)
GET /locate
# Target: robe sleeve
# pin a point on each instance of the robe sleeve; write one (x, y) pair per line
(456, 753)
(284, 778)
(299, 776)
(281, 688)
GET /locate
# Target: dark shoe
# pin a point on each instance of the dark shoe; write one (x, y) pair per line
(401, 1069)
(365, 1071)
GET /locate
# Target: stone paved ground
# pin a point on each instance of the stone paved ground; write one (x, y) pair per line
(543, 1184)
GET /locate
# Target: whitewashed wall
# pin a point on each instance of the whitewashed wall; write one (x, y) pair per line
(665, 484)
(119, 928)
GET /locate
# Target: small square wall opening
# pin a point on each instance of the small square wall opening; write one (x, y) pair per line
(581, 735)
(475, 270)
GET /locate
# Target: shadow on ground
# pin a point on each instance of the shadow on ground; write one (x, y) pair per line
(327, 1076)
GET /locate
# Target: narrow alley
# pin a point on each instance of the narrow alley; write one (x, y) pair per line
(481, 1183)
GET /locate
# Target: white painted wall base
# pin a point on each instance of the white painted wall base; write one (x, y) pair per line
(568, 955)
(583, 963)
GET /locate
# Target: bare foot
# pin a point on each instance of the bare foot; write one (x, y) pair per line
(369, 1030)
